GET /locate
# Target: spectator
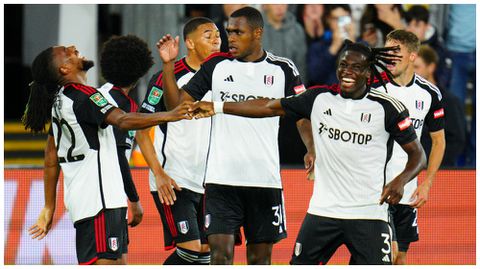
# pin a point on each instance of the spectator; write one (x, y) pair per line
(322, 54)
(222, 20)
(310, 17)
(284, 36)
(379, 20)
(417, 18)
(461, 47)
(425, 66)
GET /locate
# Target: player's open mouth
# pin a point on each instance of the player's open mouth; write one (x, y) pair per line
(232, 49)
(347, 82)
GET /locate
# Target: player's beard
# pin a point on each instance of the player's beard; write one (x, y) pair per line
(87, 64)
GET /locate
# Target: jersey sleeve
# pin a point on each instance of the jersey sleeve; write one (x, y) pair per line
(293, 81)
(201, 82)
(435, 119)
(399, 125)
(153, 101)
(300, 106)
(94, 109)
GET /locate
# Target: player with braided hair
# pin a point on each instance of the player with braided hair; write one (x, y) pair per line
(354, 130)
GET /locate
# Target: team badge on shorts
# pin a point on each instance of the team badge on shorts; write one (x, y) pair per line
(207, 220)
(298, 248)
(183, 226)
(113, 243)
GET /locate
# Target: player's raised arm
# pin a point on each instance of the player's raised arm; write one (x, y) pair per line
(134, 120)
(259, 108)
(168, 51)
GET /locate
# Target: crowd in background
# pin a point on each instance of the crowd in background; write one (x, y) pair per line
(311, 35)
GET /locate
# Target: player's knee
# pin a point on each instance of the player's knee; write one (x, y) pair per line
(401, 258)
(221, 255)
(256, 259)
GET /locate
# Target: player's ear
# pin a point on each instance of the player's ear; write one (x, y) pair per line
(189, 44)
(64, 69)
(258, 33)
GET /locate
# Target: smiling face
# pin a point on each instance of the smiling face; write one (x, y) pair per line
(205, 40)
(352, 73)
(243, 39)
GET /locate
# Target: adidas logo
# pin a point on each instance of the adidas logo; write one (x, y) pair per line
(386, 258)
(229, 78)
(328, 112)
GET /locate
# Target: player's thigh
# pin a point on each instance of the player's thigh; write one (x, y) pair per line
(180, 220)
(224, 210)
(369, 241)
(103, 237)
(265, 215)
(318, 239)
(406, 226)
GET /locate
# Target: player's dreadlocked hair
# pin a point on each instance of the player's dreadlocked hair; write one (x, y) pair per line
(43, 89)
(125, 59)
(376, 57)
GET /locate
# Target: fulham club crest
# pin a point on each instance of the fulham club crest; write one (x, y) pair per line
(183, 226)
(298, 248)
(207, 221)
(113, 243)
(268, 80)
(365, 117)
(419, 104)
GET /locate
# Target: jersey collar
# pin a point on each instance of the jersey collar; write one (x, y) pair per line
(408, 84)
(257, 60)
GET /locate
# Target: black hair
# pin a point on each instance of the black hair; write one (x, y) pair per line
(192, 25)
(418, 13)
(376, 57)
(253, 16)
(125, 59)
(43, 90)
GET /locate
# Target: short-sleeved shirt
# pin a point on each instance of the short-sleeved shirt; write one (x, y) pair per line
(181, 146)
(87, 152)
(244, 151)
(423, 101)
(353, 143)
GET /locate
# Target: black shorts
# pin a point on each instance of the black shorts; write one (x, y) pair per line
(260, 211)
(104, 236)
(182, 221)
(404, 222)
(369, 241)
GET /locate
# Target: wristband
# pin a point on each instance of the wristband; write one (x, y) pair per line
(218, 107)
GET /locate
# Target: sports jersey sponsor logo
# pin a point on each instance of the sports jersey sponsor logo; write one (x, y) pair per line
(113, 243)
(183, 226)
(105, 109)
(268, 80)
(298, 248)
(417, 123)
(207, 221)
(155, 95)
(438, 113)
(148, 107)
(419, 104)
(226, 96)
(404, 124)
(365, 117)
(98, 99)
(344, 136)
(299, 89)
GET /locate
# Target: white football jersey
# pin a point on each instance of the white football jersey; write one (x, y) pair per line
(181, 146)
(423, 101)
(353, 142)
(244, 151)
(87, 152)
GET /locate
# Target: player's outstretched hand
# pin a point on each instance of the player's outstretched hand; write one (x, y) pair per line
(420, 196)
(392, 192)
(181, 112)
(201, 109)
(137, 213)
(42, 226)
(166, 194)
(309, 161)
(168, 48)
